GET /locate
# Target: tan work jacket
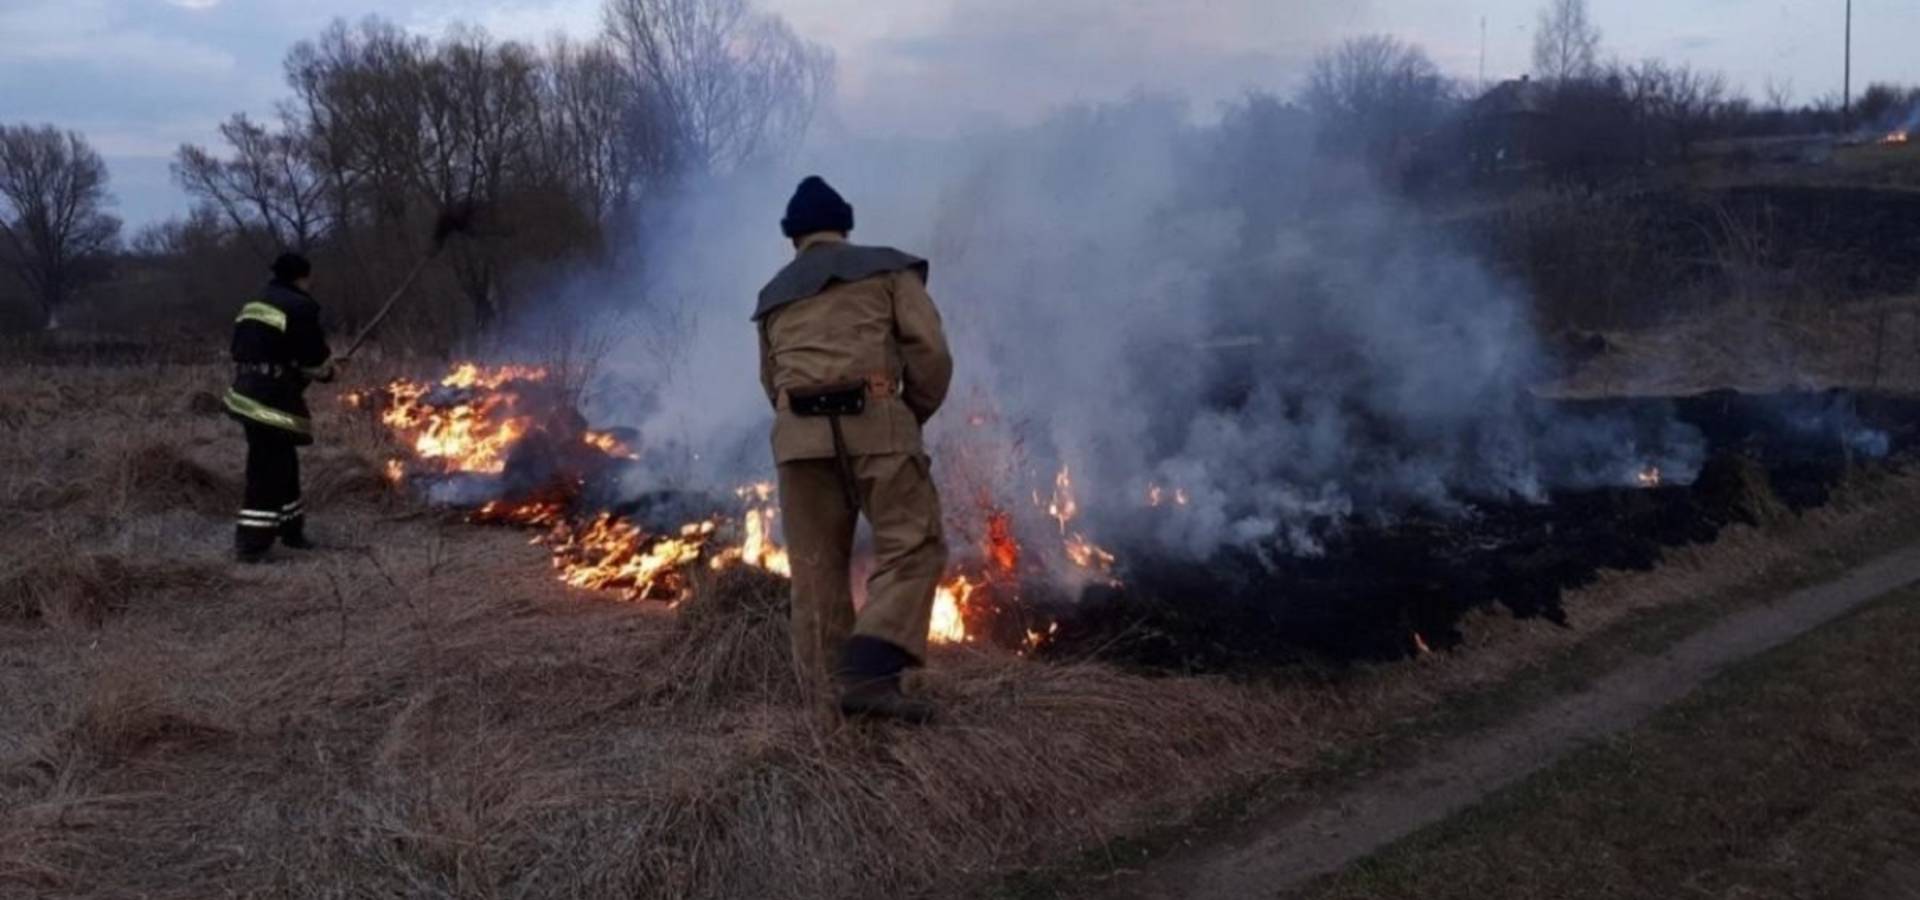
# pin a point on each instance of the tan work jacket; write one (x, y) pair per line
(884, 330)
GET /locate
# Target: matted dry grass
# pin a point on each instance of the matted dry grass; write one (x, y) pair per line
(1789, 775)
(1762, 347)
(426, 712)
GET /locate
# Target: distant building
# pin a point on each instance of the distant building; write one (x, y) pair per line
(1510, 127)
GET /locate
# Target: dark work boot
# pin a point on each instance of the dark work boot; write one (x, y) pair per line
(293, 535)
(883, 699)
(250, 545)
(293, 527)
(870, 683)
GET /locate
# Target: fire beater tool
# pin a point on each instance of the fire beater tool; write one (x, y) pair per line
(452, 221)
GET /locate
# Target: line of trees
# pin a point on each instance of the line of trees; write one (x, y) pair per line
(545, 155)
(1578, 117)
(55, 235)
(550, 155)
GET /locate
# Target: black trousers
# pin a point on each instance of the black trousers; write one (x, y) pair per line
(272, 506)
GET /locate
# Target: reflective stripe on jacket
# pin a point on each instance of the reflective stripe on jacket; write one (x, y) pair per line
(278, 348)
(248, 408)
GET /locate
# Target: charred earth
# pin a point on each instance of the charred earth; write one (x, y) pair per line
(1389, 590)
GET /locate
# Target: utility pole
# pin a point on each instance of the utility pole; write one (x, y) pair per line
(1483, 52)
(1846, 87)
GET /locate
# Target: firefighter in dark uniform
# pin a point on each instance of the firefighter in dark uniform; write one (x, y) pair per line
(278, 349)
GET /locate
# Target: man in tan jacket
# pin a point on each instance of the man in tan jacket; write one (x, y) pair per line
(854, 361)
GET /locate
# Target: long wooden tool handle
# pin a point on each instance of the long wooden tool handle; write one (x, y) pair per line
(388, 307)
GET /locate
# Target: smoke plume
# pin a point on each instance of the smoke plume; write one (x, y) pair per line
(1208, 308)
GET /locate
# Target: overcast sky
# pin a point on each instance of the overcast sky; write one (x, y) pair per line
(141, 76)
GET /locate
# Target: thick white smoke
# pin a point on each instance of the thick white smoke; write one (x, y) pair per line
(1208, 308)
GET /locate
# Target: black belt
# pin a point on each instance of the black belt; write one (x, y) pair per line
(832, 402)
(270, 370)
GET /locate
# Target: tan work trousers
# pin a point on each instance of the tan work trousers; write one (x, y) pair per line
(897, 494)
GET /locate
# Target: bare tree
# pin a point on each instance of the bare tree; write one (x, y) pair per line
(1677, 102)
(429, 129)
(56, 224)
(728, 82)
(1887, 106)
(362, 94)
(583, 127)
(270, 187)
(1779, 94)
(1567, 45)
(539, 152)
(1373, 94)
(483, 116)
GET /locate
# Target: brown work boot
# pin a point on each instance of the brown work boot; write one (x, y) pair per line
(870, 682)
(883, 699)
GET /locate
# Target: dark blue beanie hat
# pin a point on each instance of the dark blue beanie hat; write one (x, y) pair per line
(816, 206)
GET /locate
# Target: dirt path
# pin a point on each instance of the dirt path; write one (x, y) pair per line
(1284, 849)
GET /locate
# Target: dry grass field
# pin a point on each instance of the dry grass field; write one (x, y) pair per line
(1792, 775)
(423, 711)
(1763, 347)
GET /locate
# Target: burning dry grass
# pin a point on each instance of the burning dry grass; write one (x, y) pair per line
(435, 716)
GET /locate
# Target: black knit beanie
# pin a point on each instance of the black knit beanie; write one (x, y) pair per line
(291, 267)
(816, 206)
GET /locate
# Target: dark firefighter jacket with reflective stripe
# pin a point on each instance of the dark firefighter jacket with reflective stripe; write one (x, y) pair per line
(278, 349)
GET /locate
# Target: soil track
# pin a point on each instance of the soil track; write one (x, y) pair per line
(1286, 848)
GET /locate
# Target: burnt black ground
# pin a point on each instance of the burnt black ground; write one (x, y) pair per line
(1379, 592)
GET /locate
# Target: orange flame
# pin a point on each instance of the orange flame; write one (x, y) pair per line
(757, 548)
(608, 444)
(470, 436)
(615, 554)
(1002, 550)
(472, 375)
(1062, 506)
(949, 624)
(1898, 137)
(536, 512)
(470, 421)
(1159, 496)
(1649, 477)
(1087, 556)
